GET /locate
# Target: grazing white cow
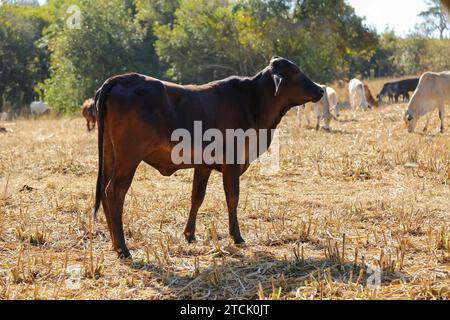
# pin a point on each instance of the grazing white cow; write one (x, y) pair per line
(4, 116)
(432, 93)
(38, 108)
(321, 109)
(357, 95)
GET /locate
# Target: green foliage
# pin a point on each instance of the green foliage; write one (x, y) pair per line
(211, 39)
(192, 41)
(23, 62)
(109, 41)
(197, 36)
(410, 56)
(436, 55)
(343, 45)
(156, 11)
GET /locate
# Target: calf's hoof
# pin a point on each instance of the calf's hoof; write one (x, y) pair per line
(190, 237)
(124, 254)
(238, 240)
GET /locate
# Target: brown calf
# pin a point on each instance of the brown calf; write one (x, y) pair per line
(369, 97)
(89, 112)
(137, 116)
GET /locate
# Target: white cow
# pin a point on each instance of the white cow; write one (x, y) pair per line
(4, 116)
(357, 95)
(432, 93)
(38, 108)
(321, 109)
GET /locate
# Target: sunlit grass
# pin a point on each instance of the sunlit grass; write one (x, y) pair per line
(368, 194)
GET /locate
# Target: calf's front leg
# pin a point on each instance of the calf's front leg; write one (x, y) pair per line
(201, 177)
(231, 175)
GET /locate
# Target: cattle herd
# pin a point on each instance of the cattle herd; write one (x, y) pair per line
(137, 115)
(393, 90)
(430, 92)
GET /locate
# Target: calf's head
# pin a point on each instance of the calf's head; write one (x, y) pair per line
(293, 85)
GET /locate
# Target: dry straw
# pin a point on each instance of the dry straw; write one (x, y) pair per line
(366, 195)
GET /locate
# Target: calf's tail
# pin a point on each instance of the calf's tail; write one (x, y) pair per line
(100, 104)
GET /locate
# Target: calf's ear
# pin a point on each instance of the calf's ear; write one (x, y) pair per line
(274, 58)
(277, 80)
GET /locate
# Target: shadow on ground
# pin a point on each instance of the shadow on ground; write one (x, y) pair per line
(262, 275)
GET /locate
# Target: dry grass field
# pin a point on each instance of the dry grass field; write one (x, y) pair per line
(366, 196)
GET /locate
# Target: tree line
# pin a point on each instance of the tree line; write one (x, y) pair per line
(62, 52)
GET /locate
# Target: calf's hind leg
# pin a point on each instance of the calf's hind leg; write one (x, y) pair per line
(122, 176)
(201, 177)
